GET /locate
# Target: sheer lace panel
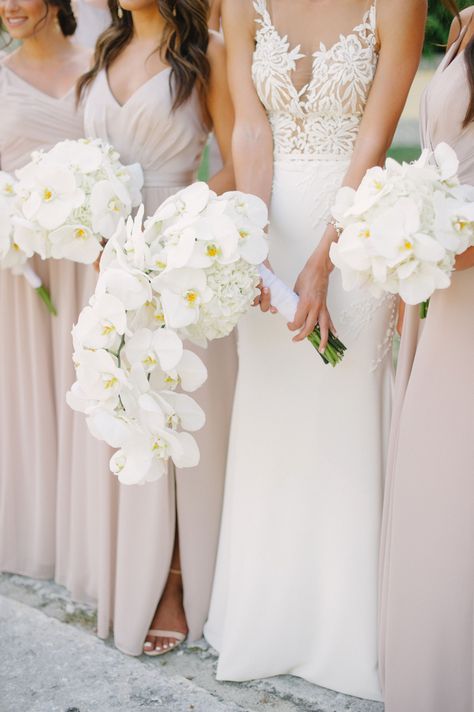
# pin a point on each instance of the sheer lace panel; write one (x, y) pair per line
(314, 98)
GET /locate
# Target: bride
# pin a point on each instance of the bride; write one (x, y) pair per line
(318, 86)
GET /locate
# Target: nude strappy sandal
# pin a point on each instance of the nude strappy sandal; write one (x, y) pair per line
(179, 637)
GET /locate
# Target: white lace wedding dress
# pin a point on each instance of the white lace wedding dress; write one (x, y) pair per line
(296, 581)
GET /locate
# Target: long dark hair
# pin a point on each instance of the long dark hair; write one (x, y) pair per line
(66, 18)
(183, 45)
(452, 6)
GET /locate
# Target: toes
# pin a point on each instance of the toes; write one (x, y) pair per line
(149, 643)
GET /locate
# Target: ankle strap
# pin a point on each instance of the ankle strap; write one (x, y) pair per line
(175, 571)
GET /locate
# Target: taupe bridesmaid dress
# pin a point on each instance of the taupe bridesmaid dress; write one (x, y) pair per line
(169, 146)
(427, 611)
(49, 466)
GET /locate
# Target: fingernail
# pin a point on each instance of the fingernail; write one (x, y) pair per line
(148, 646)
(158, 647)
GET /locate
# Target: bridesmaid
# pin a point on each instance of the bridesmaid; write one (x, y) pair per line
(157, 87)
(45, 452)
(428, 540)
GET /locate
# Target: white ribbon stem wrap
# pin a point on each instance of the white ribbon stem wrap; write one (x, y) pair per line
(282, 297)
(30, 275)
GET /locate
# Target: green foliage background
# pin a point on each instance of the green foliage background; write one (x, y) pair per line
(439, 22)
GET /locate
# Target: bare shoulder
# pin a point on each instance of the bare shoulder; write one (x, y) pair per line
(402, 11)
(401, 21)
(465, 17)
(238, 12)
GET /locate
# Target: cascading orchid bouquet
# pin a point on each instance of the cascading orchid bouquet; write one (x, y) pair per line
(404, 226)
(72, 197)
(12, 256)
(190, 273)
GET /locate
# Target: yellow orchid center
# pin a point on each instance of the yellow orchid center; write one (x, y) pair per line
(211, 250)
(47, 195)
(107, 329)
(16, 247)
(159, 317)
(149, 361)
(408, 245)
(114, 205)
(243, 233)
(79, 233)
(110, 383)
(159, 264)
(8, 189)
(173, 421)
(170, 381)
(461, 224)
(364, 233)
(378, 185)
(191, 297)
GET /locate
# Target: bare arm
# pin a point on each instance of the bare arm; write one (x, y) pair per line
(401, 31)
(221, 113)
(215, 15)
(252, 140)
(466, 259)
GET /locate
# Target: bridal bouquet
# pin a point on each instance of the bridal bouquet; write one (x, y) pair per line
(191, 272)
(72, 197)
(404, 226)
(11, 255)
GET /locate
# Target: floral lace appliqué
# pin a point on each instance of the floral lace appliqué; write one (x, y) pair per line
(323, 117)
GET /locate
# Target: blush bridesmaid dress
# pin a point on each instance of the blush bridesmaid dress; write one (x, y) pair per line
(50, 468)
(427, 611)
(169, 146)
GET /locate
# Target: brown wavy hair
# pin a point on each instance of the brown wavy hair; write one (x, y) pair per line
(183, 46)
(452, 6)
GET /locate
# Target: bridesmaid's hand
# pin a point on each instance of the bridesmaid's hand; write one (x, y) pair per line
(265, 297)
(465, 260)
(311, 287)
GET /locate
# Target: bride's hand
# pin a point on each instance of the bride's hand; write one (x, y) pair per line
(311, 287)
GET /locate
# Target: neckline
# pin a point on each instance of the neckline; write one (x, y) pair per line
(37, 89)
(137, 90)
(267, 18)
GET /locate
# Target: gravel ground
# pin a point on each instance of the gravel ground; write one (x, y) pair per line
(51, 661)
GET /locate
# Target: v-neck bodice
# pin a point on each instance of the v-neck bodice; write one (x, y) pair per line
(31, 119)
(444, 106)
(168, 144)
(323, 116)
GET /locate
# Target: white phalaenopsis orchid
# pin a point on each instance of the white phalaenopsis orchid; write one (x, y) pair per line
(404, 226)
(16, 239)
(72, 197)
(191, 271)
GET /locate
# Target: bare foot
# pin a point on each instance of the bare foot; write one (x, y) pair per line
(169, 616)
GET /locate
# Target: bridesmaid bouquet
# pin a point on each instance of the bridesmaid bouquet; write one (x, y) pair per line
(404, 226)
(72, 197)
(11, 255)
(190, 272)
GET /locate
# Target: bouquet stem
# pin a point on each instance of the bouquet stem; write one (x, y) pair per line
(286, 301)
(45, 297)
(27, 271)
(334, 352)
(424, 309)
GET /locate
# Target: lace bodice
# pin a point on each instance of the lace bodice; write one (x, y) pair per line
(323, 117)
